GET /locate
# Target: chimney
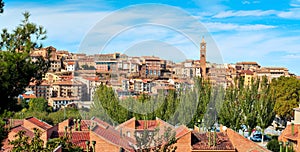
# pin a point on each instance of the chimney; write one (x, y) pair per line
(209, 139)
(94, 145)
(293, 129)
(87, 145)
(215, 137)
(78, 125)
(280, 145)
(74, 123)
(66, 127)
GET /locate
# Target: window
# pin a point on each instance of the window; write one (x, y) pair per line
(128, 133)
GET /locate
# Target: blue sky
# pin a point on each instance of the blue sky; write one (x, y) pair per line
(243, 30)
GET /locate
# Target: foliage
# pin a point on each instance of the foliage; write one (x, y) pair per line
(175, 107)
(273, 145)
(38, 104)
(287, 95)
(36, 144)
(49, 117)
(62, 114)
(150, 140)
(251, 105)
(87, 67)
(16, 66)
(1, 6)
(3, 131)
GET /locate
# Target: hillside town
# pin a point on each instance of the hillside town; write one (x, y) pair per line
(72, 78)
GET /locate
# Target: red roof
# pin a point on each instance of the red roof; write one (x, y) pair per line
(101, 123)
(181, 131)
(29, 96)
(287, 132)
(78, 138)
(112, 136)
(146, 124)
(15, 122)
(28, 133)
(39, 123)
(243, 144)
(248, 72)
(71, 63)
(200, 141)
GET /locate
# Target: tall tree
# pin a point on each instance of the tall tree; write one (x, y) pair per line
(16, 66)
(287, 95)
(265, 106)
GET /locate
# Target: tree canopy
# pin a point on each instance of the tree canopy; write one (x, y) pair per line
(17, 68)
(287, 94)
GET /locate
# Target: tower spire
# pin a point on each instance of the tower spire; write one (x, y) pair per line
(203, 57)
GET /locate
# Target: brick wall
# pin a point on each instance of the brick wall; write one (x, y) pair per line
(61, 126)
(103, 145)
(184, 143)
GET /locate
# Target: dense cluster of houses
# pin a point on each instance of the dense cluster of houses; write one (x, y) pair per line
(73, 77)
(98, 136)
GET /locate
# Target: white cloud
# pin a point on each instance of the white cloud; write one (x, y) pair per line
(293, 13)
(226, 14)
(218, 26)
(292, 56)
(63, 27)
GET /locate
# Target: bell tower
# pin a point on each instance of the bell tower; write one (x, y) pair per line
(203, 58)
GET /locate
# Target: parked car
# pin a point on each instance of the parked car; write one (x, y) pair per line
(258, 138)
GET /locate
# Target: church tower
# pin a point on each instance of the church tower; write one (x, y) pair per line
(203, 57)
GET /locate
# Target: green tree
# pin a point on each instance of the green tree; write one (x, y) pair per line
(265, 106)
(106, 106)
(287, 95)
(21, 142)
(36, 144)
(151, 140)
(16, 66)
(1, 6)
(38, 104)
(273, 145)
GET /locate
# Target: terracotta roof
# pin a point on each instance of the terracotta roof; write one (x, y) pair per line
(146, 124)
(181, 131)
(245, 63)
(287, 132)
(248, 72)
(101, 123)
(71, 63)
(6, 146)
(28, 133)
(15, 122)
(78, 137)
(243, 144)
(68, 82)
(63, 98)
(200, 141)
(112, 136)
(92, 78)
(29, 96)
(126, 123)
(84, 124)
(39, 123)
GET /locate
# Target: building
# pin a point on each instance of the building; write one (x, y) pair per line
(203, 58)
(291, 134)
(97, 135)
(40, 90)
